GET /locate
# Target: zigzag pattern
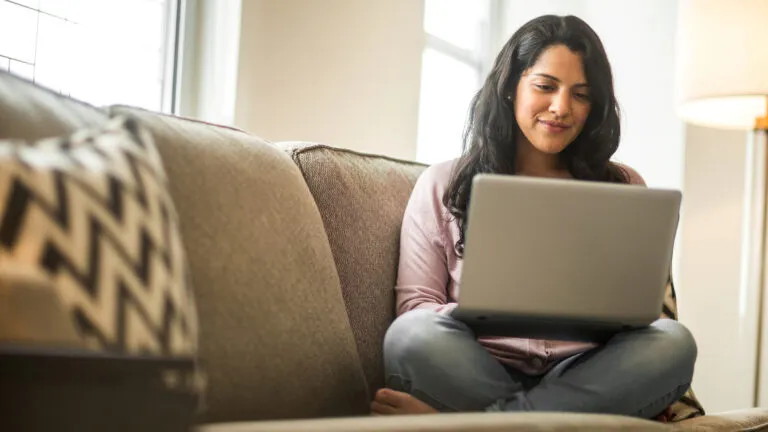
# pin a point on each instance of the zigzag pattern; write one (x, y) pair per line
(93, 212)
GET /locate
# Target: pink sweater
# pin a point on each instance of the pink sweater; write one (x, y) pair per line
(430, 271)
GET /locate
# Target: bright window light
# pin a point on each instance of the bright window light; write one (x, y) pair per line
(457, 22)
(457, 33)
(447, 87)
(104, 52)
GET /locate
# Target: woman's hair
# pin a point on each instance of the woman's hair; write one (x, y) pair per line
(490, 134)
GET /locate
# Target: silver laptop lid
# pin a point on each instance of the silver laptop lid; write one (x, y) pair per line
(567, 248)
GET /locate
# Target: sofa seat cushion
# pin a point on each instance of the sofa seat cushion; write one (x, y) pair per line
(275, 340)
(750, 419)
(362, 199)
(462, 422)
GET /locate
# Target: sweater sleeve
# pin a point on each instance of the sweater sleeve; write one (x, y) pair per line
(423, 276)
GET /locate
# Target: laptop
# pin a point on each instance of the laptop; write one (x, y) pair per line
(565, 259)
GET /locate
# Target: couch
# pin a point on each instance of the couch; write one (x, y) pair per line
(293, 250)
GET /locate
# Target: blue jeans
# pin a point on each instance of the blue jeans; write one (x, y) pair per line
(638, 373)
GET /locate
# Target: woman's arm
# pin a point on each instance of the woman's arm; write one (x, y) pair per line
(422, 278)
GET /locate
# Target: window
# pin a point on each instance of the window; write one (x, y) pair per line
(100, 51)
(454, 62)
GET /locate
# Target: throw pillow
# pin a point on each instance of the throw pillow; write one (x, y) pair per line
(89, 220)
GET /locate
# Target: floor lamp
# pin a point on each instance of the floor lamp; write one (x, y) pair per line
(722, 82)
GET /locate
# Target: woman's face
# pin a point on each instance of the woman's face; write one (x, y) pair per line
(552, 100)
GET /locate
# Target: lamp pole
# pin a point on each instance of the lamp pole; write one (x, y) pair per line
(754, 235)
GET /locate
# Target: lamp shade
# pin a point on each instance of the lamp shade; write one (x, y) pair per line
(722, 62)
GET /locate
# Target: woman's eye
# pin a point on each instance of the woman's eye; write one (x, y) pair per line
(544, 87)
(582, 96)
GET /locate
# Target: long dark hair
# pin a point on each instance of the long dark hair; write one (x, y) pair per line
(490, 135)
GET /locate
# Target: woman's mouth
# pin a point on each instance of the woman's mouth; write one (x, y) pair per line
(554, 127)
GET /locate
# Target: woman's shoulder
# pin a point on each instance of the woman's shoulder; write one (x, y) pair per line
(436, 177)
(426, 201)
(632, 175)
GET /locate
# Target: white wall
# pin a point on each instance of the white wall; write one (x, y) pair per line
(711, 303)
(342, 72)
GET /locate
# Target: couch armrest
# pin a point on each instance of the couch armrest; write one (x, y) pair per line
(752, 419)
(460, 422)
(80, 390)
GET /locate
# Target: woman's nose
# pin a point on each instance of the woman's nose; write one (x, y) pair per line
(561, 104)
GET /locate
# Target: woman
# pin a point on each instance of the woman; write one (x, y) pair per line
(547, 109)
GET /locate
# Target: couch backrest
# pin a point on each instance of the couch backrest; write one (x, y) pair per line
(275, 339)
(362, 199)
(31, 113)
(273, 332)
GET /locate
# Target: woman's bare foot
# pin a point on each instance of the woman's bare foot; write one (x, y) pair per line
(391, 402)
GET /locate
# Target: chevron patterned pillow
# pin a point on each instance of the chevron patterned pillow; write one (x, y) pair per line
(91, 216)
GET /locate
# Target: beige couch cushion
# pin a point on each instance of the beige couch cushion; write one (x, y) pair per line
(457, 422)
(361, 199)
(274, 336)
(750, 419)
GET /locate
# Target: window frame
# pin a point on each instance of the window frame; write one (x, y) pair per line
(172, 55)
(168, 97)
